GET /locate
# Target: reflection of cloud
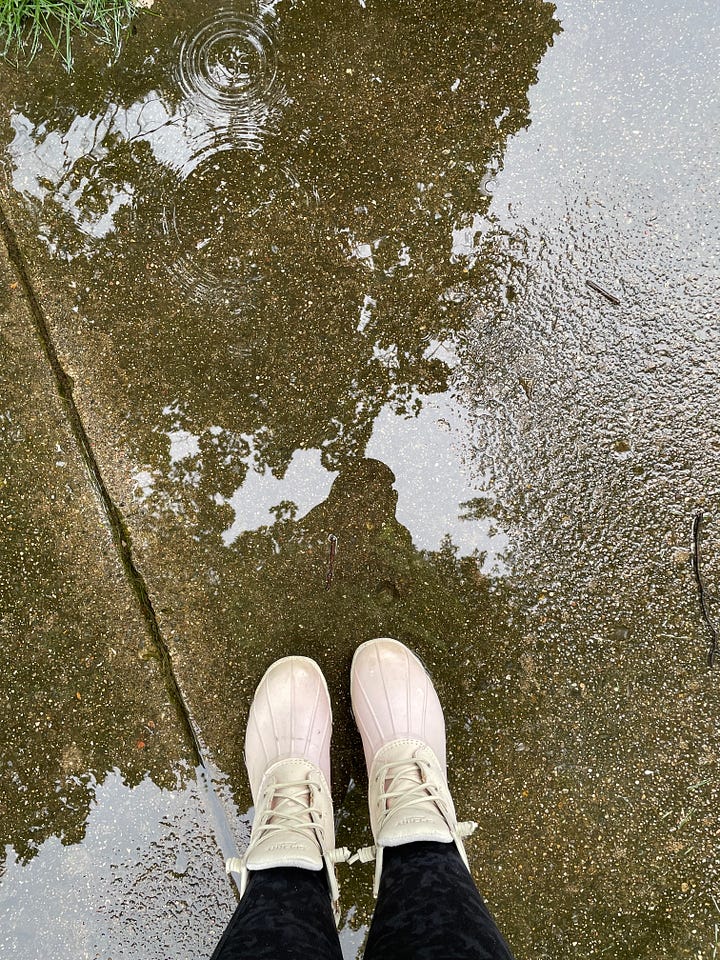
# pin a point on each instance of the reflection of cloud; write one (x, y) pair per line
(306, 484)
(432, 481)
(444, 351)
(183, 445)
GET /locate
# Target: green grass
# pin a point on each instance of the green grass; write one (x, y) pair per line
(27, 25)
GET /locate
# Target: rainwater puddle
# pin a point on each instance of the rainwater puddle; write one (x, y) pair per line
(323, 273)
(146, 862)
(440, 497)
(213, 211)
(227, 72)
(262, 497)
(226, 69)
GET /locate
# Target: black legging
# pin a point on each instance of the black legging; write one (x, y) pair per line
(428, 909)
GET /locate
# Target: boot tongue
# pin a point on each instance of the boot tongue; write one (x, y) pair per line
(417, 820)
(288, 843)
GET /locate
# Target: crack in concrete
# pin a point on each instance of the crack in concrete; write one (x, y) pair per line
(121, 540)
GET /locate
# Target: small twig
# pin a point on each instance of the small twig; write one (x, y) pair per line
(331, 562)
(695, 552)
(715, 902)
(606, 293)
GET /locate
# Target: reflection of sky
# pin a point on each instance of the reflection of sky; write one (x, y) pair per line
(183, 444)
(352, 939)
(433, 480)
(427, 454)
(41, 156)
(306, 484)
(146, 853)
(44, 161)
(622, 101)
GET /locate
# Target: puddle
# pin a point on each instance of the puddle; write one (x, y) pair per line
(323, 273)
(263, 499)
(226, 69)
(206, 223)
(145, 865)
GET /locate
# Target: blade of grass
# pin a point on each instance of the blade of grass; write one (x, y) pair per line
(26, 25)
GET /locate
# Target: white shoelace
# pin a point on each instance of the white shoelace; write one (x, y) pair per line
(405, 790)
(290, 806)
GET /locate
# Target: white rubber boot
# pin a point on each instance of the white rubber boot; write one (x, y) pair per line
(287, 754)
(401, 722)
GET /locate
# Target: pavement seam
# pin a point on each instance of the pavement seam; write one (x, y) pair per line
(120, 538)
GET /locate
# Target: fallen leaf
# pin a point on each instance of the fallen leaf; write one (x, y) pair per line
(140, 744)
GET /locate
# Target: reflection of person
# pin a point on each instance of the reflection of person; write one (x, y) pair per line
(427, 903)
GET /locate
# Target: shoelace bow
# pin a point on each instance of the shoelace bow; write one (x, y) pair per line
(291, 810)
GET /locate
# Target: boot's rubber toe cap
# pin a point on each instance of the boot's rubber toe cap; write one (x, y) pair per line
(290, 717)
(393, 697)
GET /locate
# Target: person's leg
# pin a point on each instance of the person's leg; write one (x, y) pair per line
(287, 874)
(285, 914)
(429, 908)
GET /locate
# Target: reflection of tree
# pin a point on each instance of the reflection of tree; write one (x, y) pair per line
(378, 157)
(396, 160)
(386, 171)
(479, 508)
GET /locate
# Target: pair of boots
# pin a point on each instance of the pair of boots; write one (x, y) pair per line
(287, 752)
